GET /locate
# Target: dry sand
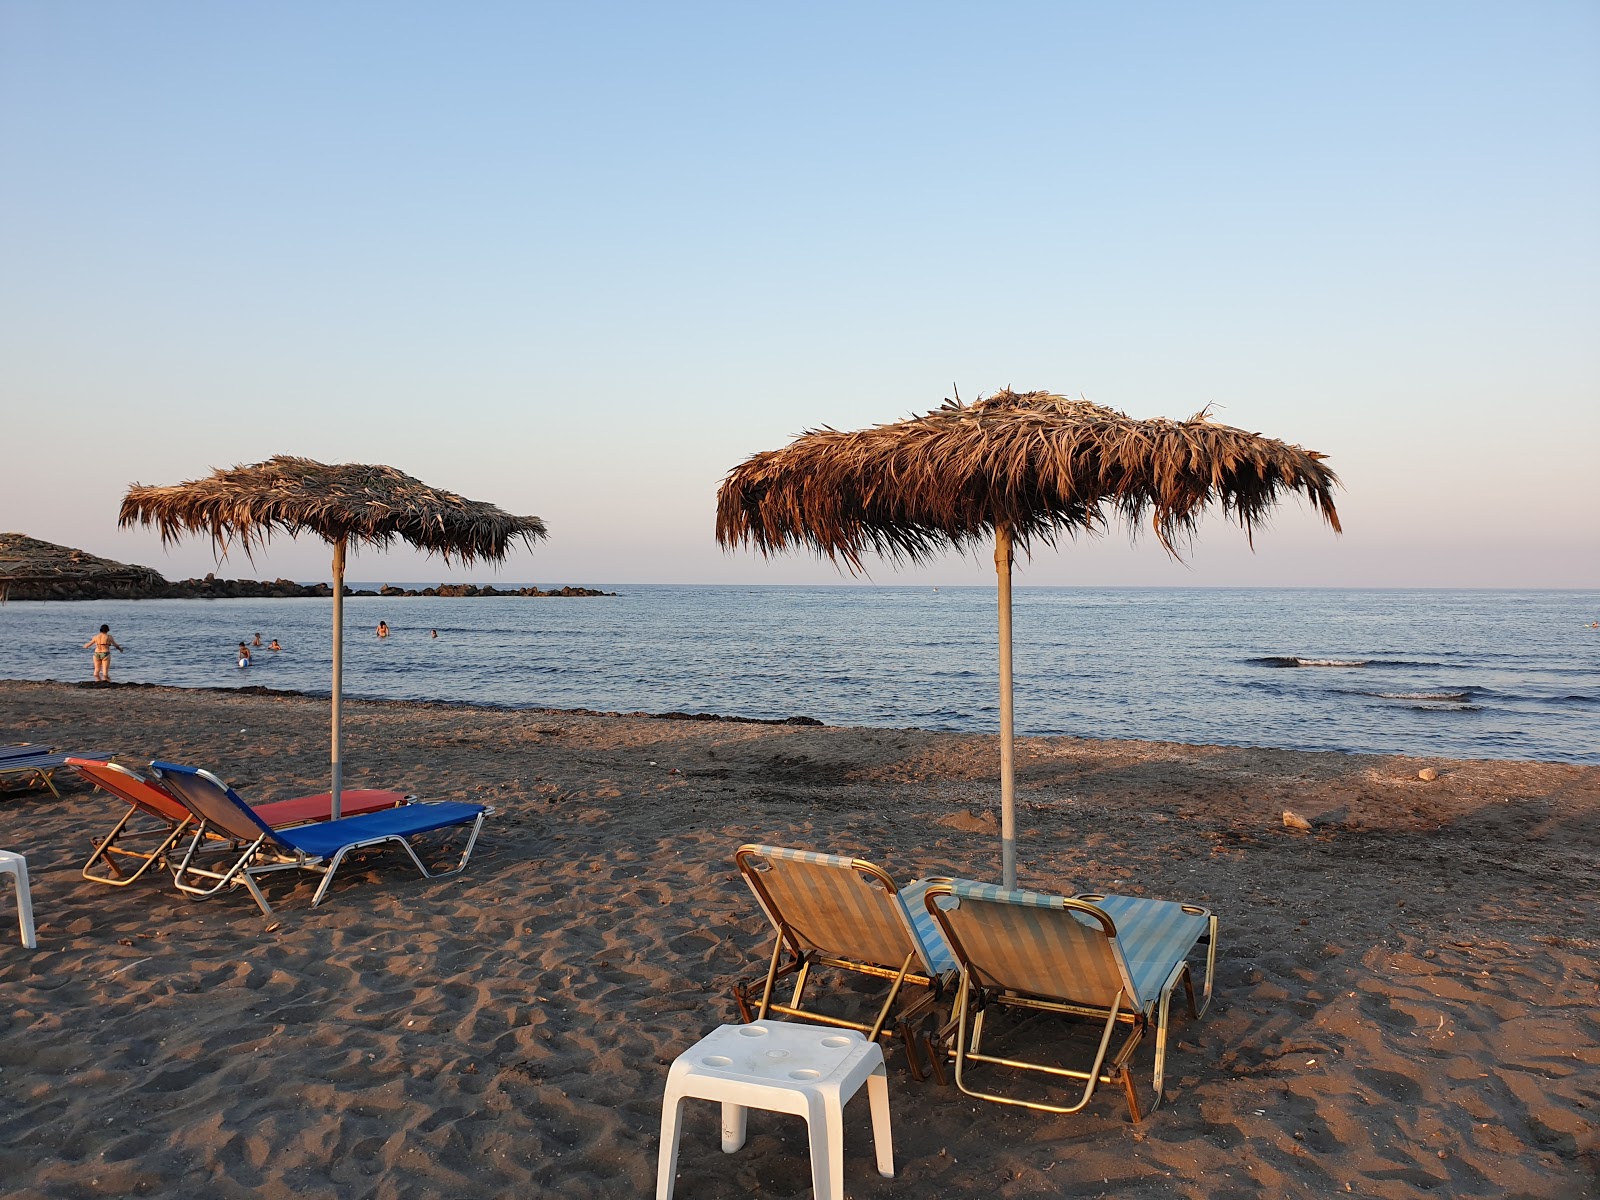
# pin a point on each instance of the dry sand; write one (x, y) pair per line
(1406, 994)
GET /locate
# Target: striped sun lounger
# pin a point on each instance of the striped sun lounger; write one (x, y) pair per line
(39, 770)
(832, 911)
(22, 749)
(320, 846)
(1116, 959)
(164, 817)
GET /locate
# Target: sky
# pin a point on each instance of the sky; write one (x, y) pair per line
(581, 260)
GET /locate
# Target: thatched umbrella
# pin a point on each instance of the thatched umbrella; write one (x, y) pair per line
(1022, 468)
(342, 503)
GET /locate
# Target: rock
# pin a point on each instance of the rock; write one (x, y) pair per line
(970, 822)
(1294, 820)
(1427, 774)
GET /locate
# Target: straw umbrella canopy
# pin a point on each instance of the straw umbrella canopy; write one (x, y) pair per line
(345, 504)
(1022, 469)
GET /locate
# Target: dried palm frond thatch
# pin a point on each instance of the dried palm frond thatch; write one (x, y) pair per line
(1023, 468)
(340, 503)
(1034, 465)
(344, 504)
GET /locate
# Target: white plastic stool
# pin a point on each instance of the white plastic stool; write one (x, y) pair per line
(809, 1070)
(16, 866)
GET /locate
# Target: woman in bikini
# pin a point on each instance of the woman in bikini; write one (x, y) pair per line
(102, 643)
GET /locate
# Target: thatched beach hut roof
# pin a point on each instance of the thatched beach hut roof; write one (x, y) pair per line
(1018, 467)
(340, 503)
(1033, 464)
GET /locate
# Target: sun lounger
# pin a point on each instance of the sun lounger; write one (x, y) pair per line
(168, 816)
(846, 913)
(23, 749)
(320, 847)
(1115, 959)
(39, 770)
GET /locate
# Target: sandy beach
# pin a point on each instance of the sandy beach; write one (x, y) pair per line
(1406, 994)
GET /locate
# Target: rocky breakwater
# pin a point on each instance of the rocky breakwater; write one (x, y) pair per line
(488, 589)
(34, 570)
(212, 588)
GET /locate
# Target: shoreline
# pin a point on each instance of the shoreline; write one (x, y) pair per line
(1405, 992)
(257, 690)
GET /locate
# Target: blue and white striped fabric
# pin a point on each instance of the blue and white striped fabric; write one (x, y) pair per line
(1155, 935)
(1049, 946)
(971, 890)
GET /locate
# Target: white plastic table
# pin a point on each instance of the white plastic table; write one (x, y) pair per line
(783, 1066)
(16, 866)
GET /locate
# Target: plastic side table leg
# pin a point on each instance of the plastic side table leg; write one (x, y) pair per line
(882, 1140)
(825, 1124)
(671, 1127)
(16, 866)
(734, 1117)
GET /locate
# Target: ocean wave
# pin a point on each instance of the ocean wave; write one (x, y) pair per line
(1294, 661)
(1455, 697)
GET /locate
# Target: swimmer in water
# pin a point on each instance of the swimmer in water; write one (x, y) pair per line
(433, 633)
(102, 643)
(274, 645)
(383, 629)
(244, 655)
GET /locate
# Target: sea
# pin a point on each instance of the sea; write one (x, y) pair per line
(1460, 674)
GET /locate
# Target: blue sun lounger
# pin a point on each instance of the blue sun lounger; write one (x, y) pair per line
(317, 847)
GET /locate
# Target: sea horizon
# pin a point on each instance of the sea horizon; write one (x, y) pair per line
(1462, 673)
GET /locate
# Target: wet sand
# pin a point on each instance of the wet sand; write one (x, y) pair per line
(1406, 994)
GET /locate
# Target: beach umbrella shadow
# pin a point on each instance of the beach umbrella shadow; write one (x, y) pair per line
(345, 504)
(1020, 469)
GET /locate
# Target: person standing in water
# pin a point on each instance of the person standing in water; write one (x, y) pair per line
(244, 655)
(383, 629)
(102, 643)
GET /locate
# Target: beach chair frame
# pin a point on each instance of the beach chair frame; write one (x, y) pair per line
(109, 849)
(1140, 1012)
(795, 954)
(263, 851)
(148, 797)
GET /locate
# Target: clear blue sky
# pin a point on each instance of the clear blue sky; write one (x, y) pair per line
(579, 260)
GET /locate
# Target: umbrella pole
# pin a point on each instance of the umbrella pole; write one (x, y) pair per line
(338, 673)
(1008, 788)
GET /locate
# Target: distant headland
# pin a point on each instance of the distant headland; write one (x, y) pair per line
(31, 569)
